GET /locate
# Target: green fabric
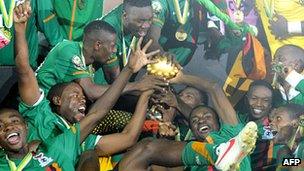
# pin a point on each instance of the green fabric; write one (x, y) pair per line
(99, 77)
(213, 9)
(190, 157)
(59, 152)
(300, 151)
(7, 53)
(43, 124)
(299, 99)
(164, 17)
(114, 18)
(85, 11)
(47, 22)
(225, 133)
(264, 131)
(59, 65)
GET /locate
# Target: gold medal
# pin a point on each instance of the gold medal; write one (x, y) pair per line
(238, 16)
(180, 34)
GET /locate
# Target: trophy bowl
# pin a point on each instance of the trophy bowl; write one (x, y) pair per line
(163, 68)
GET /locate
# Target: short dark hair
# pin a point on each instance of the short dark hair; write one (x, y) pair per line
(5, 110)
(260, 83)
(294, 110)
(95, 27)
(57, 90)
(204, 106)
(204, 96)
(136, 3)
(290, 51)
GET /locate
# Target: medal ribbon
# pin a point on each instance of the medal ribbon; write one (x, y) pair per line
(182, 19)
(22, 164)
(8, 18)
(124, 49)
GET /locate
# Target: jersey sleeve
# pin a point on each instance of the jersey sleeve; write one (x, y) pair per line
(90, 142)
(159, 12)
(296, 80)
(48, 23)
(40, 116)
(70, 65)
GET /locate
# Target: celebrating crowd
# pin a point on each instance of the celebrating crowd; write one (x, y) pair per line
(101, 85)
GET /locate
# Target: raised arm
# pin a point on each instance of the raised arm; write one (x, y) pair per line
(221, 103)
(27, 83)
(112, 143)
(94, 91)
(100, 108)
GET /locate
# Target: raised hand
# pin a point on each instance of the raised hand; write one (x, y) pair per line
(168, 98)
(139, 57)
(279, 27)
(22, 12)
(150, 82)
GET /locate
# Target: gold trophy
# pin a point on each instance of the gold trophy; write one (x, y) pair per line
(163, 68)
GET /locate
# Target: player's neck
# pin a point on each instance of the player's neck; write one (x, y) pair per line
(19, 153)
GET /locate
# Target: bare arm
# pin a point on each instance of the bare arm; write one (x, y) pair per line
(112, 143)
(94, 91)
(27, 83)
(222, 105)
(100, 108)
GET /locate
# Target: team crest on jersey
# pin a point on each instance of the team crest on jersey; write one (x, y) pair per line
(77, 62)
(42, 159)
(157, 7)
(268, 135)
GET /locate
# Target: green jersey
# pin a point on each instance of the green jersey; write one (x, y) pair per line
(123, 43)
(64, 63)
(114, 18)
(73, 15)
(164, 16)
(299, 99)
(296, 91)
(7, 53)
(44, 123)
(203, 154)
(264, 131)
(57, 153)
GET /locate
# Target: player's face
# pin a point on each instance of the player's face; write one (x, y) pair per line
(73, 103)
(13, 130)
(202, 122)
(281, 124)
(138, 20)
(106, 48)
(190, 96)
(260, 101)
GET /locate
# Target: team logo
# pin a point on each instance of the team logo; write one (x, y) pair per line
(43, 160)
(267, 133)
(77, 62)
(157, 7)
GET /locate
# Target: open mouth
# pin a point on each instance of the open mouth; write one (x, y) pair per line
(257, 111)
(141, 33)
(82, 109)
(13, 138)
(204, 129)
